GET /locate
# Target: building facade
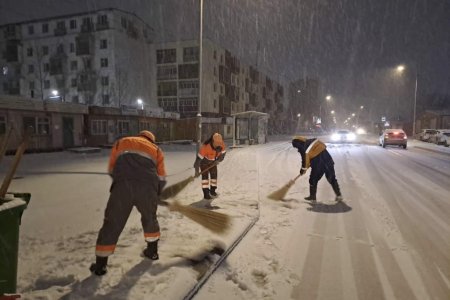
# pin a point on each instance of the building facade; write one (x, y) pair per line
(228, 85)
(95, 58)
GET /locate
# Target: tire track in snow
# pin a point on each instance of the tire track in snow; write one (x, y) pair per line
(411, 223)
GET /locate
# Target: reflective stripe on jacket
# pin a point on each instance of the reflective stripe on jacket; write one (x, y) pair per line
(144, 154)
(208, 152)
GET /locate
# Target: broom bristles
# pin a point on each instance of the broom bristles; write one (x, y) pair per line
(214, 221)
(281, 193)
(174, 189)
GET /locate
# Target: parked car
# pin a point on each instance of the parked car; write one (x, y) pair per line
(393, 137)
(439, 137)
(426, 134)
(343, 136)
(446, 139)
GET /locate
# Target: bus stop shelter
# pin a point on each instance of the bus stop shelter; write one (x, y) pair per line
(249, 127)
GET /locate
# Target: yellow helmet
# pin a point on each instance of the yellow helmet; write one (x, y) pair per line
(147, 134)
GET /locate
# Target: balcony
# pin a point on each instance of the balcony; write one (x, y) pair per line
(102, 26)
(60, 31)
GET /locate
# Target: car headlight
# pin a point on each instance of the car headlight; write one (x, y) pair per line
(335, 137)
(351, 136)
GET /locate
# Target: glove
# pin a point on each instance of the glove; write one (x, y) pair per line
(302, 171)
(197, 166)
(220, 157)
(218, 149)
(161, 185)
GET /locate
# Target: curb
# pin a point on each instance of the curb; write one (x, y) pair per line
(433, 150)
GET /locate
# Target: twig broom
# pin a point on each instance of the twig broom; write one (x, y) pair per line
(281, 193)
(212, 220)
(174, 189)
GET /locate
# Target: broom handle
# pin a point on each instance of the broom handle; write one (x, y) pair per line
(297, 177)
(17, 157)
(207, 169)
(5, 142)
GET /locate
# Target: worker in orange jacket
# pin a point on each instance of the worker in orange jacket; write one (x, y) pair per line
(211, 152)
(136, 165)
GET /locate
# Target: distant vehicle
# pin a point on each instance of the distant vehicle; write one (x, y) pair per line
(393, 137)
(447, 140)
(343, 136)
(439, 137)
(426, 134)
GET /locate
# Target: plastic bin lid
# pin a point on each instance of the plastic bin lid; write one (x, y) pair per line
(11, 204)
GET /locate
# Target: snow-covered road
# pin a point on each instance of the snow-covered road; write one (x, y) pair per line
(390, 239)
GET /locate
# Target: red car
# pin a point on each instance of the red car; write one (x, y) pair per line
(393, 137)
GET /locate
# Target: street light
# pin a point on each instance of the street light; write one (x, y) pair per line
(200, 76)
(328, 97)
(141, 103)
(400, 69)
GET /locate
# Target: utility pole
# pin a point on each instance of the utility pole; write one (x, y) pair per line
(200, 76)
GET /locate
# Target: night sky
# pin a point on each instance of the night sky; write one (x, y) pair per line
(352, 46)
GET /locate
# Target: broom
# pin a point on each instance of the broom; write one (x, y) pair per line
(280, 193)
(212, 220)
(174, 189)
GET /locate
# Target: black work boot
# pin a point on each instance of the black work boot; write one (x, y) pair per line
(206, 194)
(152, 250)
(212, 191)
(99, 267)
(312, 193)
(337, 191)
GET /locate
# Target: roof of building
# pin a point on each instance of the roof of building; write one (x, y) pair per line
(75, 15)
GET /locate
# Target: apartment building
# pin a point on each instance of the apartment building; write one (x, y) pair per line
(229, 86)
(95, 58)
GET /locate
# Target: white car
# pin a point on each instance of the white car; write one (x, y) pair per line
(440, 136)
(446, 139)
(426, 134)
(342, 136)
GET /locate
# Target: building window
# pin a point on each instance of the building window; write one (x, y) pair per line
(45, 28)
(73, 24)
(167, 89)
(72, 47)
(105, 80)
(215, 54)
(215, 87)
(123, 21)
(215, 103)
(165, 56)
(221, 58)
(73, 65)
(103, 62)
(44, 50)
(190, 54)
(30, 51)
(46, 67)
(168, 104)
(98, 127)
(46, 84)
(73, 82)
(166, 72)
(123, 127)
(215, 71)
(187, 71)
(43, 126)
(30, 29)
(30, 69)
(31, 85)
(105, 99)
(102, 19)
(2, 124)
(103, 44)
(60, 49)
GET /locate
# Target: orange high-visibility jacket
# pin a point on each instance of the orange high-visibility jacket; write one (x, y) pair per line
(208, 152)
(141, 147)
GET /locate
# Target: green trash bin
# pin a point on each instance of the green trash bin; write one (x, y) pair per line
(11, 210)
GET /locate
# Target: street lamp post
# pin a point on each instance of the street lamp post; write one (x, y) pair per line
(200, 76)
(400, 69)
